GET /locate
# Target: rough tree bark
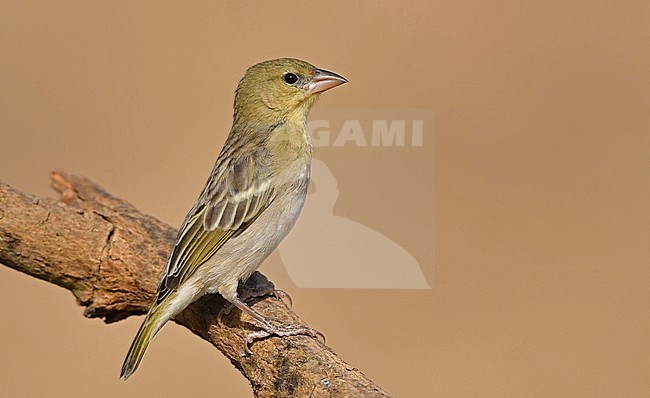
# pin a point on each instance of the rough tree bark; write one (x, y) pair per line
(110, 256)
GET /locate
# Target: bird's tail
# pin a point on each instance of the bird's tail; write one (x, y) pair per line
(155, 319)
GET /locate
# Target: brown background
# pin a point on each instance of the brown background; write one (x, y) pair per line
(542, 184)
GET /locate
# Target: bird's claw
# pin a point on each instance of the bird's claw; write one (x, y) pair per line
(281, 295)
(225, 310)
(280, 332)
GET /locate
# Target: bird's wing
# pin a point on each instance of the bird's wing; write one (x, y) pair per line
(237, 193)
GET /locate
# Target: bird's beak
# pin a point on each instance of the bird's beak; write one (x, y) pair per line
(323, 80)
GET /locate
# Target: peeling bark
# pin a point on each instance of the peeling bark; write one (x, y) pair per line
(110, 256)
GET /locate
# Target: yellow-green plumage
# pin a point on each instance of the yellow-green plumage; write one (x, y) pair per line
(151, 325)
(251, 199)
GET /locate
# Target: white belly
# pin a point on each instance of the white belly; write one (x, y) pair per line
(243, 254)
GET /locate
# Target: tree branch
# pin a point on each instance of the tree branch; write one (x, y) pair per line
(110, 256)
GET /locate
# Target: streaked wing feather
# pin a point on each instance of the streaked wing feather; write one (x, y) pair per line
(227, 206)
(247, 193)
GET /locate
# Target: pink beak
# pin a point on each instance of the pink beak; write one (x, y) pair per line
(323, 80)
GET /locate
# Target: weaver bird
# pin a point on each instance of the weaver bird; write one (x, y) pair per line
(251, 200)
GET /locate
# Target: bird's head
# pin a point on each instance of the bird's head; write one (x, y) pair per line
(279, 89)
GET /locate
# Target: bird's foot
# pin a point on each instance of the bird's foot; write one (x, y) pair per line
(249, 294)
(270, 330)
(281, 295)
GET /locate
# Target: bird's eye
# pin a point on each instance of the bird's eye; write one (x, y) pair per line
(290, 78)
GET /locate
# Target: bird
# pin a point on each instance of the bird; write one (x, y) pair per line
(250, 201)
